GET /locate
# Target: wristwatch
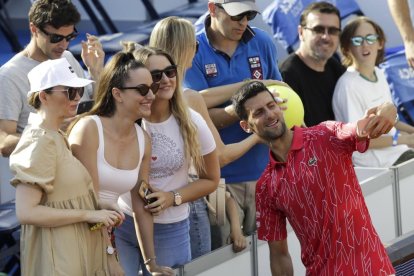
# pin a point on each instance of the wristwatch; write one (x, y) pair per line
(110, 250)
(177, 198)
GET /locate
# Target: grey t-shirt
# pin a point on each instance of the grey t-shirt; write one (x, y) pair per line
(14, 86)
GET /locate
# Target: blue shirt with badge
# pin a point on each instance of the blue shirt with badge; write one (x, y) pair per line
(255, 58)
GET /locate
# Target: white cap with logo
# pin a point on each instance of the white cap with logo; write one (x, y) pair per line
(52, 73)
(236, 7)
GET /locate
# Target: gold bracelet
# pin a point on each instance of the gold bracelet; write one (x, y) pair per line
(147, 261)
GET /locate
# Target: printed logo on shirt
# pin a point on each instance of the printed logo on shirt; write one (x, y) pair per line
(211, 70)
(312, 161)
(167, 156)
(255, 68)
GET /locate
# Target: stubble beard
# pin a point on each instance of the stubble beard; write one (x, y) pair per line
(319, 53)
(270, 136)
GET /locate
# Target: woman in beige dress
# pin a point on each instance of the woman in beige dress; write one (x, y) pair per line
(55, 200)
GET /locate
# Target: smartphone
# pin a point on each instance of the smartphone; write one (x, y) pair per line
(85, 106)
(149, 200)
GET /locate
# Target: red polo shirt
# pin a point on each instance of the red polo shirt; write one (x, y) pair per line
(317, 190)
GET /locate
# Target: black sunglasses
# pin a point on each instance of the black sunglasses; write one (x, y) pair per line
(170, 72)
(250, 15)
(321, 30)
(143, 89)
(56, 38)
(70, 92)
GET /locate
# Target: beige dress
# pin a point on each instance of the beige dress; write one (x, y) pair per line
(43, 158)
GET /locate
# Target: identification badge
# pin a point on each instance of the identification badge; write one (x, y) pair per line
(211, 70)
(255, 68)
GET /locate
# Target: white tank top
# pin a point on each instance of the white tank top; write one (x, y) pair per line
(114, 182)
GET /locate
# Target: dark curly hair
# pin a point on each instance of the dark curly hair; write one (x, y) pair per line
(57, 13)
(247, 91)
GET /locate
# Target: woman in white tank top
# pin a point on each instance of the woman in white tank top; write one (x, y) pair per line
(117, 152)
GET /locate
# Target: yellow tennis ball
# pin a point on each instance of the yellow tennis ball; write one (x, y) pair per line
(294, 113)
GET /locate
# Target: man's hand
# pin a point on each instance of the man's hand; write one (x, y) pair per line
(93, 56)
(275, 82)
(280, 101)
(409, 52)
(381, 119)
(238, 240)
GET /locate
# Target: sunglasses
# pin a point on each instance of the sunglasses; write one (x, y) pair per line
(56, 38)
(143, 89)
(170, 72)
(370, 39)
(70, 92)
(321, 30)
(250, 15)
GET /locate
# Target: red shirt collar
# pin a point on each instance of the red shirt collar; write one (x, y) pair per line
(297, 144)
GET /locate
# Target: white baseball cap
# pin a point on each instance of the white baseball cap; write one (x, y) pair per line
(54, 72)
(236, 7)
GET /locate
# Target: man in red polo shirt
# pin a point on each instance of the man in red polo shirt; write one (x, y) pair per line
(310, 181)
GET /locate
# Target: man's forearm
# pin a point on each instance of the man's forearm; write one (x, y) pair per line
(400, 12)
(221, 118)
(95, 73)
(8, 143)
(281, 265)
(280, 260)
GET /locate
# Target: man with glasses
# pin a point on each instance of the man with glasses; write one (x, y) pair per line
(231, 51)
(52, 26)
(312, 71)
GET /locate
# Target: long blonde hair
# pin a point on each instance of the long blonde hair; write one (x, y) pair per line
(175, 36)
(178, 106)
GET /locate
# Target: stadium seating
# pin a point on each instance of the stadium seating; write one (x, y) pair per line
(284, 17)
(111, 42)
(400, 77)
